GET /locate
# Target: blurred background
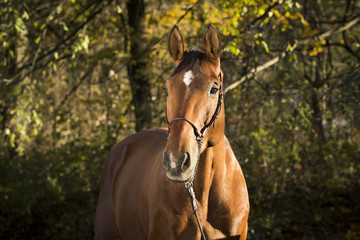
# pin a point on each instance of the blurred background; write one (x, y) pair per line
(77, 76)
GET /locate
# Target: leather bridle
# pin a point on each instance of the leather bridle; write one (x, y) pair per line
(199, 134)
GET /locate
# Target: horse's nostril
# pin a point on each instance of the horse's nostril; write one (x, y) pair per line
(166, 160)
(186, 162)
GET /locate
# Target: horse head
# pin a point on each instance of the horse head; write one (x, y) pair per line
(194, 103)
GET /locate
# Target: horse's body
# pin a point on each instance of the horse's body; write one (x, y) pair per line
(138, 200)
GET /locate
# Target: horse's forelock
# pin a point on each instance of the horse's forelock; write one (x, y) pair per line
(191, 61)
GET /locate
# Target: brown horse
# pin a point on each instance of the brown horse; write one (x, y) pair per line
(141, 195)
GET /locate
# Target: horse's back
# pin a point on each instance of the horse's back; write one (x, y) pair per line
(125, 181)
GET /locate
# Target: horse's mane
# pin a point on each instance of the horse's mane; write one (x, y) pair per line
(191, 61)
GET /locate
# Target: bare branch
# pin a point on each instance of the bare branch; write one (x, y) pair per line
(333, 31)
(275, 60)
(73, 90)
(32, 64)
(261, 17)
(187, 11)
(347, 48)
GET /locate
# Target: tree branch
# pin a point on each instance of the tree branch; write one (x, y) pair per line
(42, 35)
(261, 17)
(187, 11)
(333, 31)
(275, 60)
(73, 90)
(164, 36)
(54, 49)
(347, 48)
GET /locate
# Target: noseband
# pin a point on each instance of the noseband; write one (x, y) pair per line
(199, 138)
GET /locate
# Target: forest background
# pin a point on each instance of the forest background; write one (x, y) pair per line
(78, 76)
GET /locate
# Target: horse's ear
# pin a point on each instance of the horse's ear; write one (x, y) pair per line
(212, 43)
(176, 44)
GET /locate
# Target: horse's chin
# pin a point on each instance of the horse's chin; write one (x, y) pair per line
(181, 178)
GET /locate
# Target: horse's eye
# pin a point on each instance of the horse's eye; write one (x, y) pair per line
(166, 91)
(213, 91)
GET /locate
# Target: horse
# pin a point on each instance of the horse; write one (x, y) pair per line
(142, 193)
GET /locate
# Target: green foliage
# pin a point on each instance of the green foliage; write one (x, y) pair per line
(51, 195)
(66, 98)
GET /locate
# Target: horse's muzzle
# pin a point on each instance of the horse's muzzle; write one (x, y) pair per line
(177, 168)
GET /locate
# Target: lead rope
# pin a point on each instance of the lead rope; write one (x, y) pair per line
(190, 189)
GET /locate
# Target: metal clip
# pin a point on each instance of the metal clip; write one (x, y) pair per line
(192, 198)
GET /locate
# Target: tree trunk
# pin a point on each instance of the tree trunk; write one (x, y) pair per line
(137, 67)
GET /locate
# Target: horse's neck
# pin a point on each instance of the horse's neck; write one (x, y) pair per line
(212, 165)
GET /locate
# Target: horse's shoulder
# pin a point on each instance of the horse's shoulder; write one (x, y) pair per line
(229, 153)
(237, 198)
(232, 164)
(227, 144)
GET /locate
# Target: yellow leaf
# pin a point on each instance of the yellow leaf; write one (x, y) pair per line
(316, 50)
(277, 14)
(261, 12)
(35, 132)
(81, 97)
(7, 131)
(303, 21)
(37, 40)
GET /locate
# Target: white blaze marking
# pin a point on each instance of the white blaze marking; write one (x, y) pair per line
(188, 77)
